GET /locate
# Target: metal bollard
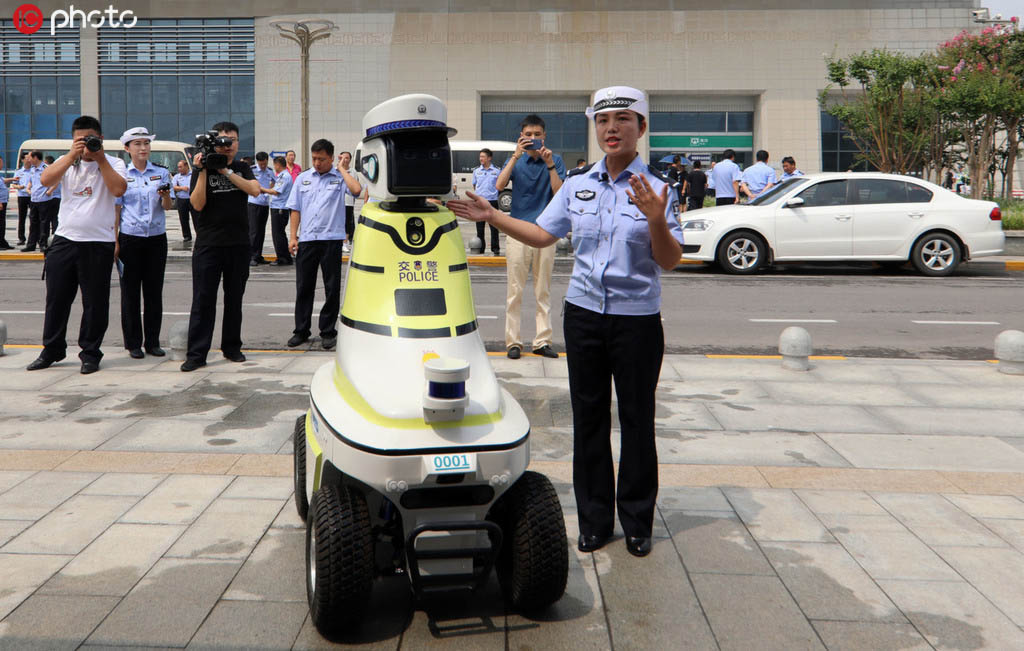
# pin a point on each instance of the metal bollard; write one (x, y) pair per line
(179, 340)
(795, 348)
(3, 336)
(1010, 352)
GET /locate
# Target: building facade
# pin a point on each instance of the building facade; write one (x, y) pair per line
(739, 74)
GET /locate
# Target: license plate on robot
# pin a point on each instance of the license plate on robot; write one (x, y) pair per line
(440, 464)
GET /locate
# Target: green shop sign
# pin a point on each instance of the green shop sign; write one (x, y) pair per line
(702, 142)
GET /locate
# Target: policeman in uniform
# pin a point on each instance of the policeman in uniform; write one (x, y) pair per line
(142, 245)
(180, 183)
(259, 209)
(21, 182)
(484, 178)
(37, 196)
(622, 216)
(789, 169)
(758, 178)
(317, 202)
(279, 213)
(3, 211)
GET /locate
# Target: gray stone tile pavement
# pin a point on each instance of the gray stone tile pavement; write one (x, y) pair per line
(125, 557)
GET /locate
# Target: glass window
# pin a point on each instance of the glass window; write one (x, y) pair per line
(68, 95)
(191, 124)
(139, 91)
(873, 191)
(65, 122)
(67, 52)
(195, 51)
(14, 53)
(918, 193)
(165, 94)
(113, 123)
(775, 192)
(218, 94)
(848, 162)
(191, 94)
(44, 95)
(464, 162)
(142, 52)
(688, 121)
(164, 51)
(165, 126)
(19, 124)
(18, 99)
(741, 121)
(242, 95)
(826, 193)
(45, 51)
(112, 98)
(44, 125)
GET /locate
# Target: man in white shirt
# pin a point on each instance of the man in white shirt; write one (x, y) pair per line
(84, 246)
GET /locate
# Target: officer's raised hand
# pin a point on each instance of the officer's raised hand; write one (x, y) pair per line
(475, 209)
(643, 196)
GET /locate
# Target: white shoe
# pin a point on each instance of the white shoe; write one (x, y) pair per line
(346, 248)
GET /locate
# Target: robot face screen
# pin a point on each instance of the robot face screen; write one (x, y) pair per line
(419, 163)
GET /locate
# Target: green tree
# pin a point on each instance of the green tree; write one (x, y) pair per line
(890, 116)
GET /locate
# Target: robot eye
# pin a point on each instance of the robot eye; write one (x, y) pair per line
(369, 167)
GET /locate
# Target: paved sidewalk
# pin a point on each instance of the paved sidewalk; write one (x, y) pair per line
(866, 504)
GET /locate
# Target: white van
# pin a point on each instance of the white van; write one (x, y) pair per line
(466, 158)
(164, 152)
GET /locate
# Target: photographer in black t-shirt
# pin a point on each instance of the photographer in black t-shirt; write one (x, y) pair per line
(695, 187)
(219, 198)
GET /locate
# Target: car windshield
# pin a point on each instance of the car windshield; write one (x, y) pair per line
(775, 192)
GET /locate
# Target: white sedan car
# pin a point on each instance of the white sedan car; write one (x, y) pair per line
(848, 216)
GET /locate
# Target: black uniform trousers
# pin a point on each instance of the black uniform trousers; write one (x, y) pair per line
(185, 209)
(325, 255)
(257, 230)
(725, 201)
(279, 219)
(48, 211)
(144, 260)
(350, 224)
(33, 224)
(598, 348)
(495, 244)
(71, 266)
(209, 265)
(23, 205)
(694, 203)
(3, 222)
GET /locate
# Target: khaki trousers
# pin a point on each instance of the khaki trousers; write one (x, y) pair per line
(520, 259)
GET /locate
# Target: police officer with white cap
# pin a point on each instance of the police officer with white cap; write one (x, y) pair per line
(621, 214)
(142, 245)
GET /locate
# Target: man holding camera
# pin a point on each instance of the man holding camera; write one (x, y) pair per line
(82, 251)
(535, 179)
(219, 192)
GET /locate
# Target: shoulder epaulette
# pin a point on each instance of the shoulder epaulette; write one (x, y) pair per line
(656, 173)
(579, 170)
(158, 165)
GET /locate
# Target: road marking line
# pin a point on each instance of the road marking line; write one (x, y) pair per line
(484, 316)
(22, 312)
(177, 313)
(957, 322)
(818, 357)
(792, 320)
(281, 314)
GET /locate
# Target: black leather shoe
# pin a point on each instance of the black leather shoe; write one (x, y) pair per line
(28, 249)
(155, 351)
(136, 353)
(545, 351)
(638, 545)
(588, 543)
(191, 365)
(329, 342)
(297, 340)
(514, 352)
(40, 363)
(236, 356)
(5, 246)
(89, 367)
(253, 263)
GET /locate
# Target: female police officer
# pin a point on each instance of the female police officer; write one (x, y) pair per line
(142, 245)
(621, 214)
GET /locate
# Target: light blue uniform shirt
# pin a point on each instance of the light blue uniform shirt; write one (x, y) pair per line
(722, 176)
(614, 271)
(22, 177)
(787, 175)
(266, 179)
(141, 212)
(758, 176)
(320, 198)
(484, 180)
(184, 180)
(38, 189)
(283, 184)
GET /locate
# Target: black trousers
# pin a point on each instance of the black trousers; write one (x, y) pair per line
(279, 219)
(185, 210)
(495, 244)
(23, 204)
(3, 223)
(33, 224)
(257, 230)
(325, 255)
(209, 265)
(350, 223)
(71, 266)
(48, 211)
(725, 201)
(628, 349)
(694, 203)
(144, 260)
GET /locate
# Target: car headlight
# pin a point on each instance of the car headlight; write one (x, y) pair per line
(698, 225)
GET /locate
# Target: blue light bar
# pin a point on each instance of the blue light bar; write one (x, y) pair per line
(403, 124)
(446, 390)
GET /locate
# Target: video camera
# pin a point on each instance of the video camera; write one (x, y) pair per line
(207, 144)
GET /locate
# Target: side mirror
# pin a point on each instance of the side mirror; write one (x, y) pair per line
(795, 202)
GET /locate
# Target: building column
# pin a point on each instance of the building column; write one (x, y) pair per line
(89, 56)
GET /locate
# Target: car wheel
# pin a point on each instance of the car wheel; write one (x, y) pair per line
(505, 201)
(742, 252)
(936, 254)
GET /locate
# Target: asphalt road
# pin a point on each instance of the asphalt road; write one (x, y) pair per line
(849, 310)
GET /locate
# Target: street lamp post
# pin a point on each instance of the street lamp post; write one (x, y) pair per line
(305, 33)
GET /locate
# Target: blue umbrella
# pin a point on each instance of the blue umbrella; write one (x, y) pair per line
(682, 159)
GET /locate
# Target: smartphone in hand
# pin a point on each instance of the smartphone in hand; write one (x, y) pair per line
(535, 143)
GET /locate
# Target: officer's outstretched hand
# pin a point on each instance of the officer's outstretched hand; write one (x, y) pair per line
(643, 196)
(475, 209)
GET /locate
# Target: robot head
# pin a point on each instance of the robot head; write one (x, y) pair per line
(404, 151)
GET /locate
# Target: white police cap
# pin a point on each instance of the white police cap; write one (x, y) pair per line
(405, 113)
(618, 98)
(136, 133)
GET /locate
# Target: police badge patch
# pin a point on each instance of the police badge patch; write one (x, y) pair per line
(585, 195)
